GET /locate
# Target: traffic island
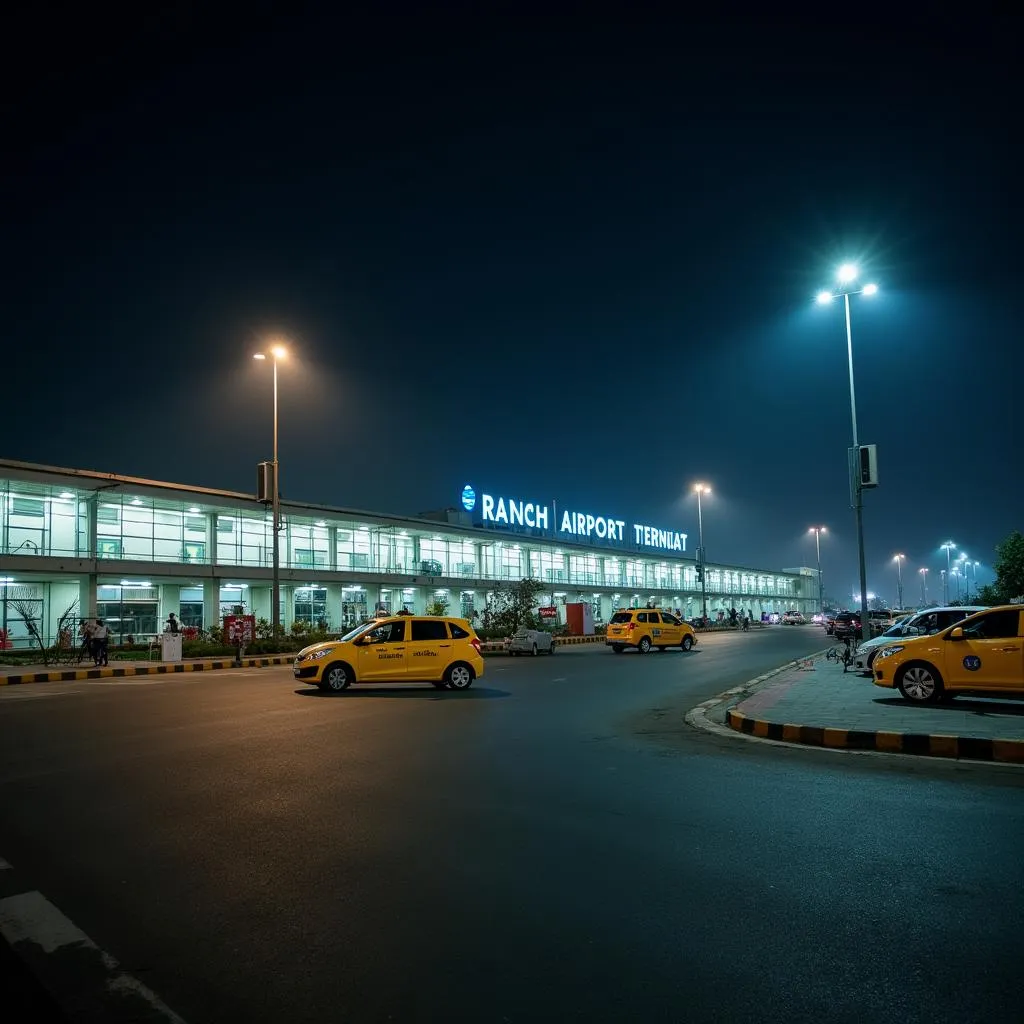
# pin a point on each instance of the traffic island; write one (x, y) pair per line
(814, 703)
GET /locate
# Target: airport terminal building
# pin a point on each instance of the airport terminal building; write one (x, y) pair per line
(131, 550)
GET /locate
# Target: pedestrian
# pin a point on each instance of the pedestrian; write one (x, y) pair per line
(85, 631)
(173, 626)
(99, 650)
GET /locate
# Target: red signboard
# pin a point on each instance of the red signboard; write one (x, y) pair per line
(548, 613)
(239, 629)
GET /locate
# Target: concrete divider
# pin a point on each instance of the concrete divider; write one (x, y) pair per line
(119, 671)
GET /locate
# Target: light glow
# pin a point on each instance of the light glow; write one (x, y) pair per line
(279, 352)
(847, 273)
(870, 289)
(825, 297)
(259, 355)
(701, 489)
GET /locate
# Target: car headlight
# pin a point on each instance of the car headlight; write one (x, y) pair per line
(888, 651)
(316, 655)
(861, 650)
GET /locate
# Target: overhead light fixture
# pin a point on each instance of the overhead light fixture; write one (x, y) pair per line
(320, 522)
(193, 510)
(66, 494)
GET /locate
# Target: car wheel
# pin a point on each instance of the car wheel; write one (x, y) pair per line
(687, 644)
(919, 683)
(644, 646)
(534, 650)
(458, 676)
(337, 677)
(551, 649)
(617, 648)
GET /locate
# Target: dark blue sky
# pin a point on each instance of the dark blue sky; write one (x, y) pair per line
(570, 255)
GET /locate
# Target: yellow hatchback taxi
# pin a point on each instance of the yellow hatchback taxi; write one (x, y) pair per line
(983, 653)
(396, 649)
(644, 628)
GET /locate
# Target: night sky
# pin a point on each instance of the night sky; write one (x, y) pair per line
(566, 256)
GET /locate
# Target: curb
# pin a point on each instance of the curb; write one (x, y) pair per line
(927, 744)
(70, 675)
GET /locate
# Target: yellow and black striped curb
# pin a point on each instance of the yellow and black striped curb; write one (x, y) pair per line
(501, 646)
(116, 672)
(928, 744)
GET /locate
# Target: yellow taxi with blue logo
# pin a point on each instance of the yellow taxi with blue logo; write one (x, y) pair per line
(396, 649)
(644, 628)
(983, 654)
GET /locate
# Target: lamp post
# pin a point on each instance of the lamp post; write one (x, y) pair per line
(924, 587)
(975, 570)
(948, 546)
(945, 586)
(962, 563)
(702, 489)
(847, 276)
(277, 353)
(898, 559)
(818, 531)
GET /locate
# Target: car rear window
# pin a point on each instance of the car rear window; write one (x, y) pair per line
(622, 617)
(458, 633)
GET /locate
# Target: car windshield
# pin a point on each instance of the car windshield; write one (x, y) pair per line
(361, 628)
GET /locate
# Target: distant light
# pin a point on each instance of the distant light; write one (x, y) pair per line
(320, 522)
(825, 297)
(136, 583)
(259, 355)
(66, 494)
(702, 488)
(194, 510)
(847, 273)
(896, 558)
(279, 352)
(6, 579)
(870, 289)
(136, 501)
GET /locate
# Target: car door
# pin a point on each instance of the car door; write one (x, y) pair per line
(430, 649)
(383, 653)
(991, 654)
(671, 631)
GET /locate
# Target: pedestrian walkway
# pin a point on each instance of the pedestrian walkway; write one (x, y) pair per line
(816, 703)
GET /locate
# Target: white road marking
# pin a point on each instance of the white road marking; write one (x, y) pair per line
(30, 917)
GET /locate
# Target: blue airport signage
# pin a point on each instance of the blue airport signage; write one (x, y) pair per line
(535, 517)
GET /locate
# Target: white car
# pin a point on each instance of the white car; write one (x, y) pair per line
(531, 641)
(793, 618)
(925, 622)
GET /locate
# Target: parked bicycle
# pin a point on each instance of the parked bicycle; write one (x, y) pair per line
(843, 654)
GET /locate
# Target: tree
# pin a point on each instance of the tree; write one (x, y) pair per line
(1009, 568)
(439, 606)
(512, 607)
(26, 611)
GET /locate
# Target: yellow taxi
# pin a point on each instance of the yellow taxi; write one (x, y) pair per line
(983, 653)
(396, 649)
(644, 628)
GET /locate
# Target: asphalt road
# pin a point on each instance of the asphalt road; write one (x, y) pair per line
(554, 844)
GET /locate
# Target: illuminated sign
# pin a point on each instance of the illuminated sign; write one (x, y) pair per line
(568, 523)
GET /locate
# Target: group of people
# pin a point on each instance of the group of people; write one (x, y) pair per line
(95, 639)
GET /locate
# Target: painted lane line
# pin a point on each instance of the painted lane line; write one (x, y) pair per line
(75, 970)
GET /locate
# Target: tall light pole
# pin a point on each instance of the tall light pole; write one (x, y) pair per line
(924, 587)
(945, 586)
(277, 353)
(898, 559)
(962, 564)
(818, 531)
(949, 546)
(975, 565)
(847, 277)
(702, 561)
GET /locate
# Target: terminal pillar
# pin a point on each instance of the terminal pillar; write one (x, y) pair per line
(211, 603)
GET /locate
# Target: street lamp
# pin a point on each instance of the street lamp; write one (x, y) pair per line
(924, 587)
(818, 531)
(847, 276)
(945, 586)
(949, 546)
(277, 353)
(975, 565)
(898, 559)
(962, 563)
(702, 489)
(955, 573)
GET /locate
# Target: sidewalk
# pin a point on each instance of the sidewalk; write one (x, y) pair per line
(11, 675)
(813, 702)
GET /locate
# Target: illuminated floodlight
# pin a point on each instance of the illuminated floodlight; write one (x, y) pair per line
(824, 297)
(870, 289)
(847, 273)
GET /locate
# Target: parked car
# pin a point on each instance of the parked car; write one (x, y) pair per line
(793, 618)
(847, 626)
(924, 623)
(531, 641)
(983, 653)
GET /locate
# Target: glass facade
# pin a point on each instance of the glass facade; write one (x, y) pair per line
(340, 568)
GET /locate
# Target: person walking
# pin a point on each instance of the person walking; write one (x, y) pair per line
(85, 631)
(100, 641)
(173, 626)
